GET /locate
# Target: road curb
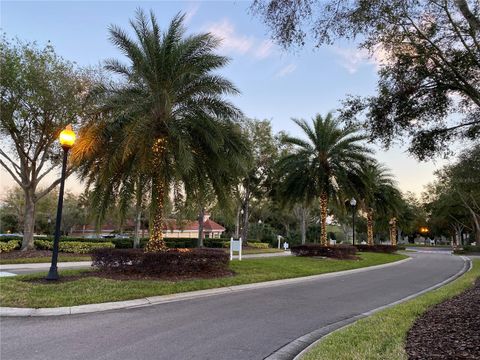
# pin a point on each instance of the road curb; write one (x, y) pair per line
(162, 299)
(298, 347)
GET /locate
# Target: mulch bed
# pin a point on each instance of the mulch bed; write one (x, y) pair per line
(134, 276)
(18, 254)
(450, 330)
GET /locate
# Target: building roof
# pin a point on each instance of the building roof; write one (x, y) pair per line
(208, 225)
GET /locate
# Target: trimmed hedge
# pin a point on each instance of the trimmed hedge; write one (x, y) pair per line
(388, 249)
(258, 245)
(466, 249)
(334, 251)
(77, 247)
(173, 261)
(9, 246)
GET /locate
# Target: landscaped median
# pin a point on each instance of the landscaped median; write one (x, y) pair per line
(32, 292)
(383, 335)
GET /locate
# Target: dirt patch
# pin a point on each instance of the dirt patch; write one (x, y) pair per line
(450, 330)
(18, 254)
(134, 276)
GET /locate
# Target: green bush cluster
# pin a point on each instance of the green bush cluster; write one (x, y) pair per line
(466, 249)
(9, 246)
(76, 247)
(258, 245)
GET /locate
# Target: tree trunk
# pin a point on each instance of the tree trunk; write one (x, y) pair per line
(393, 231)
(29, 220)
(303, 225)
(237, 223)
(370, 226)
(244, 232)
(201, 234)
(323, 218)
(156, 242)
(138, 216)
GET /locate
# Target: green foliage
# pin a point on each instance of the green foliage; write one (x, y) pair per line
(329, 161)
(258, 245)
(169, 95)
(429, 64)
(9, 246)
(73, 246)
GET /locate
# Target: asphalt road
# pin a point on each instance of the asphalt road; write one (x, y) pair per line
(246, 325)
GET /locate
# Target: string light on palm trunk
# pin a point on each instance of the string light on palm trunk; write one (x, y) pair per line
(393, 231)
(156, 242)
(370, 227)
(323, 213)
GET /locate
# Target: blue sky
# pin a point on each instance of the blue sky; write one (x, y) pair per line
(274, 84)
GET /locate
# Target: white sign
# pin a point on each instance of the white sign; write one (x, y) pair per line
(236, 245)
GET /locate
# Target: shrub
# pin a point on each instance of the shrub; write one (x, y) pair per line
(173, 261)
(9, 246)
(335, 251)
(258, 245)
(217, 243)
(466, 249)
(8, 238)
(77, 247)
(377, 248)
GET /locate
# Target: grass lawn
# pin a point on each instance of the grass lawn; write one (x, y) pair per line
(88, 258)
(45, 259)
(16, 292)
(382, 335)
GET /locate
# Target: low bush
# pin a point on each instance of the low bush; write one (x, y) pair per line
(9, 246)
(5, 239)
(466, 249)
(258, 245)
(335, 251)
(216, 243)
(388, 249)
(173, 261)
(77, 247)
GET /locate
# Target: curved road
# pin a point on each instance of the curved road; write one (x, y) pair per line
(245, 325)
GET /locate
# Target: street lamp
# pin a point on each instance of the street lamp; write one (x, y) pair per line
(67, 139)
(353, 203)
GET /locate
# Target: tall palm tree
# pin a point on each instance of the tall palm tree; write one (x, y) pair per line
(324, 165)
(169, 109)
(379, 194)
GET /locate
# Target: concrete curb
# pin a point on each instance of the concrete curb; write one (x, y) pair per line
(163, 299)
(298, 347)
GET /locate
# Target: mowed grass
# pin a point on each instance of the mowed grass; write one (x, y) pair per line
(16, 292)
(62, 258)
(382, 335)
(45, 259)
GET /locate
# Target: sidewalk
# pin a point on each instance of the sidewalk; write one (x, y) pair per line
(17, 269)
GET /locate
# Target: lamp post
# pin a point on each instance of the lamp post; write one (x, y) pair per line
(67, 138)
(353, 203)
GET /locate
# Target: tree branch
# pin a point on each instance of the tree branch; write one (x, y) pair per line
(11, 173)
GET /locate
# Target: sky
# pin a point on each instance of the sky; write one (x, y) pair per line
(275, 84)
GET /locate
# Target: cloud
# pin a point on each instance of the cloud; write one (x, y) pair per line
(265, 49)
(234, 42)
(286, 70)
(231, 41)
(353, 58)
(191, 11)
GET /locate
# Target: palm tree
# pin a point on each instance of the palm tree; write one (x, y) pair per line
(169, 111)
(324, 165)
(379, 195)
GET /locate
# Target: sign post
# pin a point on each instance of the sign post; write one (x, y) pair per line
(236, 245)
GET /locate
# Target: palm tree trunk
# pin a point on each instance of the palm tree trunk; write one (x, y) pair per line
(138, 216)
(303, 225)
(323, 217)
(393, 231)
(370, 227)
(201, 234)
(156, 242)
